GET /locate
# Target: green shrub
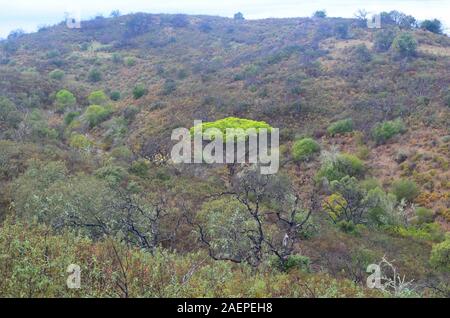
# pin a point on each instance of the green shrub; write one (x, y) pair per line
(434, 26)
(112, 174)
(115, 96)
(9, 113)
(296, 261)
(95, 75)
(341, 126)
(130, 61)
(80, 142)
(405, 189)
(304, 149)
(139, 91)
(95, 114)
(231, 123)
(405, 45)
(426, 232)
(64, 100)
(384, 131)
(343, 165)
(122, 153)
(424, 215)
(440, 255)
(348, 227)
(68, 119)
(117, 58)
(383, 40)
(97, 98)
(56, 74)
(140, 168)
(130, 112)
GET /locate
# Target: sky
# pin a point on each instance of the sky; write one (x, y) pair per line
(30, 14)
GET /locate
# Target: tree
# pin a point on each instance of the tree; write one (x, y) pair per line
(64, 100)
(320, 14)
(95, 75)
(139, 91)
(434, 26)
(383, 40)
(115, 14)
(239, 16)
(97, 98)
(405, 45)
(246, 234)
(95, 114)
(304, 149)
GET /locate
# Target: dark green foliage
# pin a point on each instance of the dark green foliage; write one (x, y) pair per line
(405, 45)
(405, 189)
(56, 74)
(424, 215)
(434, 26)
(95, 75)
(65, 100)
(320, 14)
(139, 91)
(293, 262)
(68, 119)
(384, 131)
(341, 30)
(340, 127)
(97, 98)
(96, 114)
(362, 53)
(169, 87)
(341, 166)
(383, 40)
(304, 149)
(238, 16)
(115, 96)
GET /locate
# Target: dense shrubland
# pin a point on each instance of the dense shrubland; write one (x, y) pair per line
(85, 177)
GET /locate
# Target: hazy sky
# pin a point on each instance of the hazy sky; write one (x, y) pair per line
(29, 14)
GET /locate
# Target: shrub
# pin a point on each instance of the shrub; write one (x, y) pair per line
(405, 189)
(169, 87)
(95, 114)
(424, 215)
(348, 227)
(8, 112)
(440, 255)
(231, 123)
(122, 153)
(297, 261)
(340, 127)
(384, 131)
(139, 91)
(115, 96)
(362, 53)
(64, 100)
(434, 26)
(117, 58)
(320, 14)
(304, 149)
(343, 165)
(405, 45)
(95, 76)
(130, 61)
(140, 168)
(239, 16)
(97, 98)
(130, 112)
(383, 40)
(68, 119)
(56, 74)
(80, 142)
(341, 30)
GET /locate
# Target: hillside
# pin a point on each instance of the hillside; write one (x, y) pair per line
(86, 117)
